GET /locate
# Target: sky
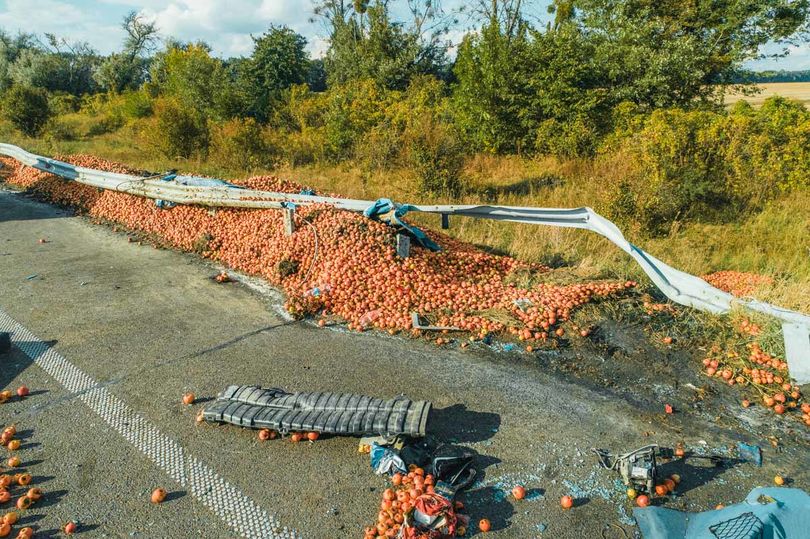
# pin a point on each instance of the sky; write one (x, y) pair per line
(226, 25)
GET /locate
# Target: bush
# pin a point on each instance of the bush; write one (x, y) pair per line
(238, 144)
(177, 131)
(62, 129)
(380, 148)
(353, 110)
(708, 165)
(135, 105)
(296, 148)
(104, 123)
(435, 153)
(64, 104)
(573, 138)
(27, 109)
(681, 170)
(767, 150)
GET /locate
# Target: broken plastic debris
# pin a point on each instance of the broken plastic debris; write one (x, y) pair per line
(766, 512)
(386, 461)
(750, 453)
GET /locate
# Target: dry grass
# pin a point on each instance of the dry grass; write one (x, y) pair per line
(793, 90)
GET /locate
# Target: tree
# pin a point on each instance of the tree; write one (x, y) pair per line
(279, 61)
(57, 66)
(10, 50)
(196, 80)
(492, 96)
(129, 68)
(27, 108)
(670, 52)
(365, 43)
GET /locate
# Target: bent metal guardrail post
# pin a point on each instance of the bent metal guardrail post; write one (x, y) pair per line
(677, 285)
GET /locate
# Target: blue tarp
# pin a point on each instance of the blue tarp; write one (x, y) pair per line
(766, 513)
(396, 211)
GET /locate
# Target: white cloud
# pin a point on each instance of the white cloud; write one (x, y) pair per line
(226, 25)
(63, 19)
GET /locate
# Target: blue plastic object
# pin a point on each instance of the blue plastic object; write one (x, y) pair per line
(750, 453)
(384, 206)
(767, 512)
(386, 461)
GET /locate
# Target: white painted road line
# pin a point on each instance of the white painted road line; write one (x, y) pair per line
(238, 511)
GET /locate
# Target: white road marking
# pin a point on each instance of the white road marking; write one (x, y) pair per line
(238, 511)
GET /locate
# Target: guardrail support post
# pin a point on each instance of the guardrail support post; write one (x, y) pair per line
(403, 246)
(289, 223)
(445, 221)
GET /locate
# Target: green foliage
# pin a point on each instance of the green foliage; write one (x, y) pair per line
(353, 110)
(120, 72)
(64, 104)
(128, 69)
(27, 108)
(177, 130)
(669, 52)
(298, 135)
(493, 97)
(435, 152)
(574, 137)
(239, 144)
(682, 168)
(137, 104)
(108, 122)
(59, 71)
(61, 128)
(767, 151)
(192, 77)
(279, 61)
(701, 165)
(367, 45)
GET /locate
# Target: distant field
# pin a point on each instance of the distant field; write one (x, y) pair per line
(793, 90)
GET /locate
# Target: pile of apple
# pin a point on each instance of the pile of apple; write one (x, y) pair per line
(760, 371)
(398, 502)
(738, 283)
(336, 263)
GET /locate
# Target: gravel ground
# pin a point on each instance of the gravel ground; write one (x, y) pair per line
(149, 325)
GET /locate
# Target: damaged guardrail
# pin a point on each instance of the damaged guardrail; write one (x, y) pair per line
(677, 285)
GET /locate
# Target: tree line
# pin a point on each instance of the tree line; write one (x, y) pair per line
(396, 92)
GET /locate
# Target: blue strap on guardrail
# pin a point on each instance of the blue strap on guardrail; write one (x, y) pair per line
(385, 206)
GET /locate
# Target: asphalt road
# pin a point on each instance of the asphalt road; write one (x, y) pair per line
(129, 328)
